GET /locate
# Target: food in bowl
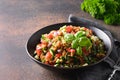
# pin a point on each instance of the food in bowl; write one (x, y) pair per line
(70, 46)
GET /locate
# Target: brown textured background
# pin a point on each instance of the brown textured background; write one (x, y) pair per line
(21, 18)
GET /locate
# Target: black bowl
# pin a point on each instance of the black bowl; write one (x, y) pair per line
(35, 39)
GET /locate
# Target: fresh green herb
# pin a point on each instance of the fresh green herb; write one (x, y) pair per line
(75, 43)
(79, 51)
(107, 10)
(69, 37)
(79, 34)
(84, 41)
(80, 41)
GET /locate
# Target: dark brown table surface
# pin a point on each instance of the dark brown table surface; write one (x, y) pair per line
(19, 19)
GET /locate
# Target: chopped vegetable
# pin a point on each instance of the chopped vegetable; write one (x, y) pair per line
(58, 55)
(69, 29)
(48, 56)
(38, 49)
(50, 36)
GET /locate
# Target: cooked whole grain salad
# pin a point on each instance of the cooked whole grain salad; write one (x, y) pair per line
(70, 46)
